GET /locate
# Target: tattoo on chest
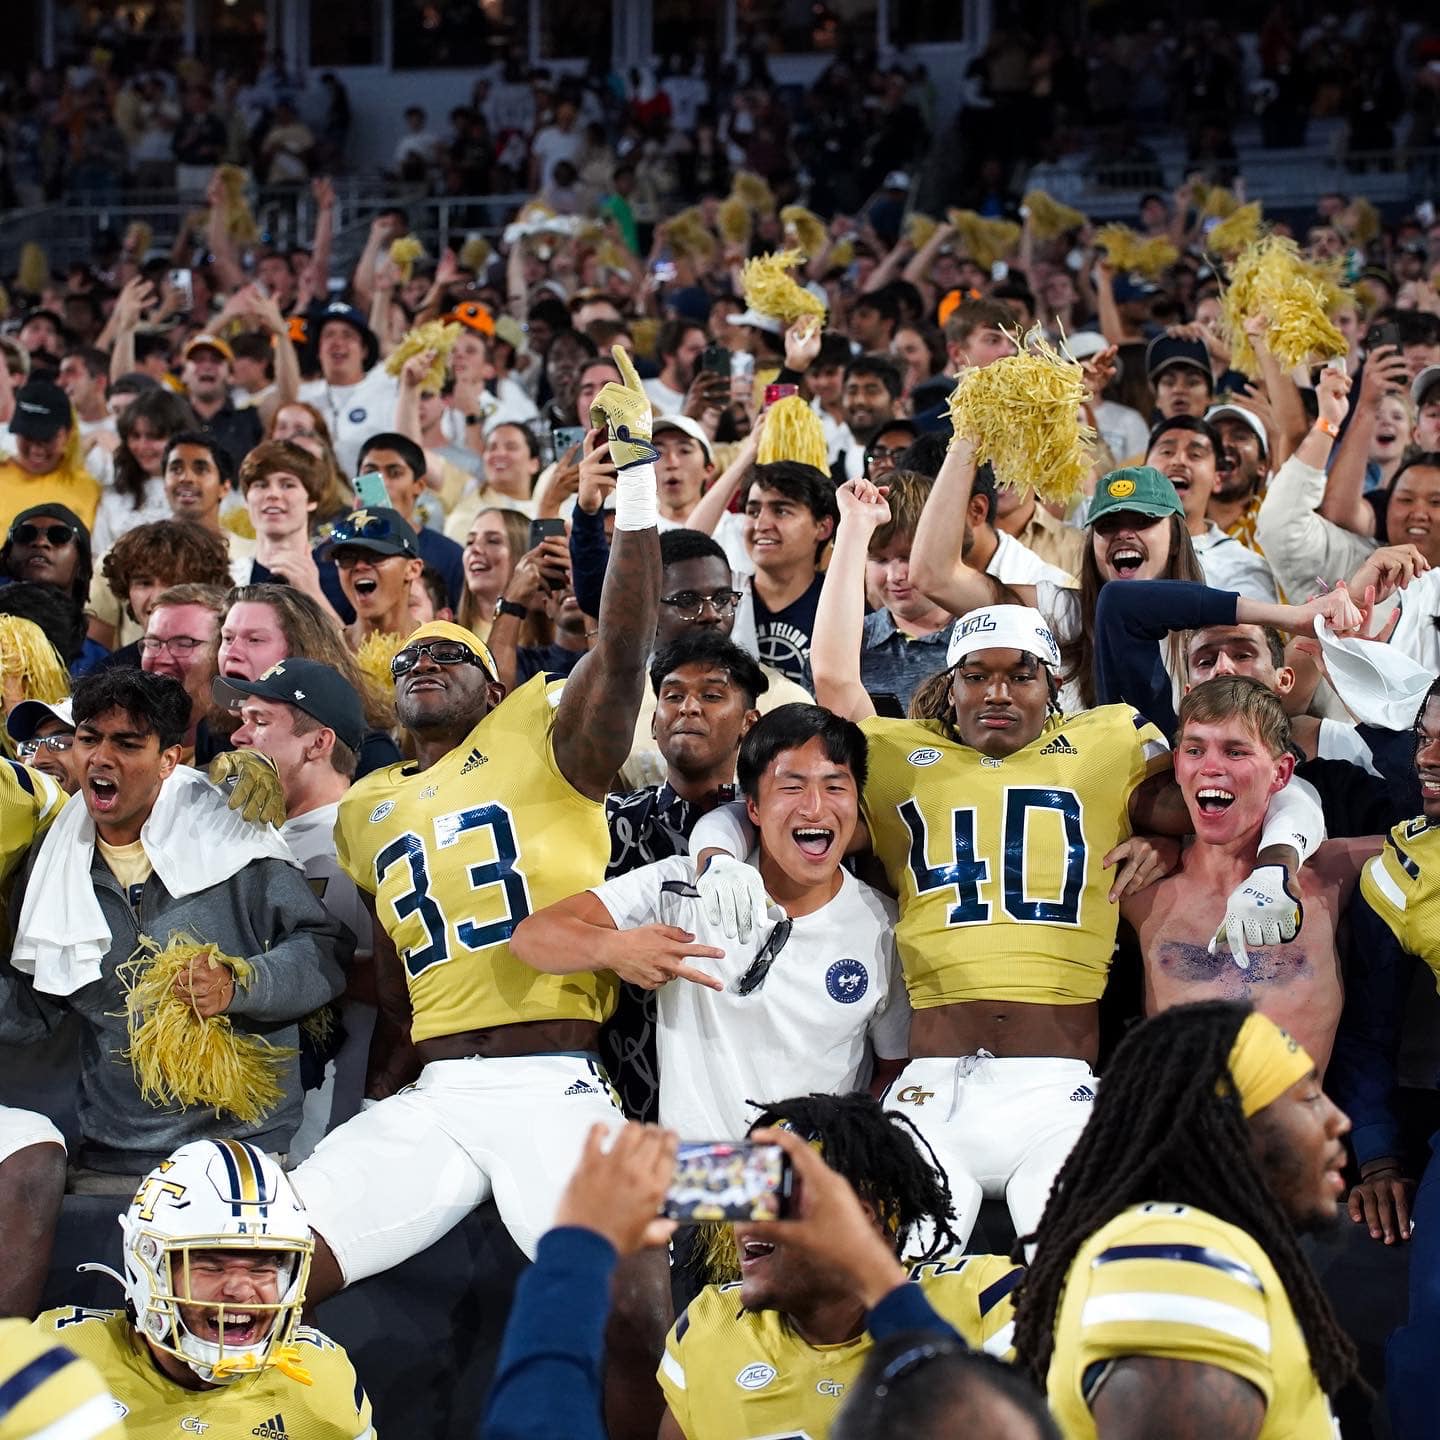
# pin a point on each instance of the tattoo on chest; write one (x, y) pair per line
(1269, 968)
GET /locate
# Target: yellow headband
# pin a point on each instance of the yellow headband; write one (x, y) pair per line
(1265, 1061)
(448, 630)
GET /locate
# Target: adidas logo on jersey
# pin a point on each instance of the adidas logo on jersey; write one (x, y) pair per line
(581, 1088)
(1082, 1092)
(1059, 746)
(272, 1429)
(473, 761)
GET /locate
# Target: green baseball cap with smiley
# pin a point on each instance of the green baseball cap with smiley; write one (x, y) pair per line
(1141, 489)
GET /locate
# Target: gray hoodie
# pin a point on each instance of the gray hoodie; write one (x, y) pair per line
(267, 914)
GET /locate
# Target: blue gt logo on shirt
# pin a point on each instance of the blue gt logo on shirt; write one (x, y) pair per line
(847, 981)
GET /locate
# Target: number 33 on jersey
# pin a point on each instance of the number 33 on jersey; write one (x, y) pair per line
(458, 855)
(997, 862)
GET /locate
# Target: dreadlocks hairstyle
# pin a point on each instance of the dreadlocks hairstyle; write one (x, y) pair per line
(883, 1156)
(1433, 693)
(1167, 1127)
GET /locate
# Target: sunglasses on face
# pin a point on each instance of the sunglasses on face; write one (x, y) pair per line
(441, 652)
(55, 535)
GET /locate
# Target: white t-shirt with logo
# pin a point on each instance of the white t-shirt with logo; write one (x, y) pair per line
(354, 412)
(834, 992)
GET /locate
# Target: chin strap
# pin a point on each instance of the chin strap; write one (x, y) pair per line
(284, 1358)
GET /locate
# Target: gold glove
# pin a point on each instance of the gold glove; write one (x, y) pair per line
(253, 784)
(624, 410)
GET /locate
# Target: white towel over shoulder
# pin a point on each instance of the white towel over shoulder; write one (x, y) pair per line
(193, 840)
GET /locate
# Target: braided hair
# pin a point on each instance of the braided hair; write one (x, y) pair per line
(1167, 1127)
(1433, 693)
(883, 1156)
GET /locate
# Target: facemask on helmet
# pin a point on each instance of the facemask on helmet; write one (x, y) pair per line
(212, 1204)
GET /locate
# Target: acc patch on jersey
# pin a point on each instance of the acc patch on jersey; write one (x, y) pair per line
(847, 981)
(755, 1377)
(381, 811)
(925, 756)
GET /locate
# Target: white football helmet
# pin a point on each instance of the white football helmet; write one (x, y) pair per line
(215, 1195)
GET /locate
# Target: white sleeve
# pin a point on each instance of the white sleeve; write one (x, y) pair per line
(890, 1024)
(636, 899)
(1339, 741)
(1294, 817)
(726, 828)
(1300, 543)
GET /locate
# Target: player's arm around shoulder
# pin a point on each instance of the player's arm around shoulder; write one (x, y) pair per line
(1335, 867)
(617, 927)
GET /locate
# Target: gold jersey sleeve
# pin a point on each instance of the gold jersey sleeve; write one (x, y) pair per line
(1174, 1282)
(29, 801)
(268, 1404)
(1402, 884)
(458, 855)
(730, 1374)
(47, 1389)
(997, 862)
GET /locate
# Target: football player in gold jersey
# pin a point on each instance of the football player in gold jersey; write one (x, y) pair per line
(995, 818)
(794, 1325)
(49, 1390)
(502, 813)
(1168, 1282)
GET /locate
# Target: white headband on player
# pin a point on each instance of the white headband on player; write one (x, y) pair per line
(1003, 627)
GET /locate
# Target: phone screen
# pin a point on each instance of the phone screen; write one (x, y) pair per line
(728, 1180)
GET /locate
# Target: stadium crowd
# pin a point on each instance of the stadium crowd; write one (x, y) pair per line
(952, 700)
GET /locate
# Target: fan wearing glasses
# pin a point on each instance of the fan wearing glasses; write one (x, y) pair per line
(44, 736)
(48, 545)
(812, 1001)
(182, 640)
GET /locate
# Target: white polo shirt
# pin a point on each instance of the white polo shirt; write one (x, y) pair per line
(834, 991)
(354, 412)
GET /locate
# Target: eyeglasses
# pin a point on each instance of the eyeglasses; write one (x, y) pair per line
(177, 645)
(689, 604)
(441, 652)
(884, 452)
(55, 535)
(349, 559)
(28, 749)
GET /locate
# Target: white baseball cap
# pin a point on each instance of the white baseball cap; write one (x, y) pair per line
(1003, 627)
(769, 323)
(687, 426)
(1239, 412)
(27, 717)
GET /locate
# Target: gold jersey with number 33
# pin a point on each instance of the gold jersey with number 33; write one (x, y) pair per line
(458, 855)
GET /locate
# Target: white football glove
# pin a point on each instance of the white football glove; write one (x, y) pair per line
(1262, 910)
(733, 895)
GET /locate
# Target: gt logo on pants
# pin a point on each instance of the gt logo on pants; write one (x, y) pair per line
(914, 1095)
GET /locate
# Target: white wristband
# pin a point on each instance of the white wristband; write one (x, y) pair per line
(636, 504)
(1295, 817)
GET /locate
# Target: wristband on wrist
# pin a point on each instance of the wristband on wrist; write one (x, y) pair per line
(1327, 427)
(507, 606)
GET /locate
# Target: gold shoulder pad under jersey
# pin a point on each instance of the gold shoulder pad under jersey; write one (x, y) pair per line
(46, 1389)
(1402, 884)
(1175, 1282)
(997, 861)
(459, 854)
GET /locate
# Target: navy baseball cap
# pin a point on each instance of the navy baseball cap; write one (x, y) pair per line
(386, 532)
(321, 691)
(1166, 351)
(42, 411)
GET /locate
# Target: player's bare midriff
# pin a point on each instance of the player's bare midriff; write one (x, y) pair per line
(525, 1037)
(1007, 1028)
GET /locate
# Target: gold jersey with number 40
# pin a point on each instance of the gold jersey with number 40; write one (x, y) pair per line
(458, 855)
(997, 861)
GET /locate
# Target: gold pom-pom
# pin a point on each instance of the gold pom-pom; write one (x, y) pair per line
(736, 221)
(30, 664)
(235, 208)
(611, 255)
(1023, 413)
(645, 332)
(138, 239)
(238, 522)
(805, 228)
(919, 227)
(434, 335)
(1270, 278)
(719, 1255)
(1215, 201)
(404, 252)
(177, 1057)
(373, 657)
(1135, 253)
(842, 254)
(1239, 229)
(793, 432)
(318, 1026)
(1049, 219)
(688, 236)
(1359, 221)
(755, 191)
(985, 241)
(475, 254)
(33, 273)
(768, 287)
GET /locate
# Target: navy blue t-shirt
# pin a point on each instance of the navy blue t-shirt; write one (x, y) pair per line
(783, 636)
